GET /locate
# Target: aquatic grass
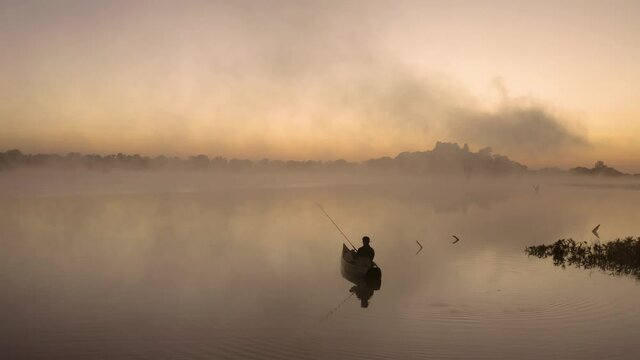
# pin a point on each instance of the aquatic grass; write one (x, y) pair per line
(618, 257)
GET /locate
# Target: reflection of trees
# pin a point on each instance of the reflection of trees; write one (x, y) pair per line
(619, 257)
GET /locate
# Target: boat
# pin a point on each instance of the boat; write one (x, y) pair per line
(361, 271)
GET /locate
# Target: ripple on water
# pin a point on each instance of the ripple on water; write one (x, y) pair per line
(567, 317)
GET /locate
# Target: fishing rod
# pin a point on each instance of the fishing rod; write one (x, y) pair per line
(336, 225)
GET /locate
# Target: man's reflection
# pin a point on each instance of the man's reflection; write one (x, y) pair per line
(363, 287)
(364, 293)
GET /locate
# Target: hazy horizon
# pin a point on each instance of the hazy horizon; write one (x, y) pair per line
(547, 83)
(45, 159)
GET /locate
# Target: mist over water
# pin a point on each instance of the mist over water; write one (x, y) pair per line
(167, 171)
(168, 265)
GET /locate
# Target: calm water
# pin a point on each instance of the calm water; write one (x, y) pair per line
(231, 270)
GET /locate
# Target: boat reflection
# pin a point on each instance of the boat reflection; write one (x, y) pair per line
(363, 273)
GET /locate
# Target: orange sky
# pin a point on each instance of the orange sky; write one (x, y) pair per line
(544, 82)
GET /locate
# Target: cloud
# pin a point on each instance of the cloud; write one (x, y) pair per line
(516, 128)
(249, 79)
(403, 107)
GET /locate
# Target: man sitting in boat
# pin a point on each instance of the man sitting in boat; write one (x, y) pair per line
(365, 251)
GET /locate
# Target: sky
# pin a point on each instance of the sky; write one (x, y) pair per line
(547, 83)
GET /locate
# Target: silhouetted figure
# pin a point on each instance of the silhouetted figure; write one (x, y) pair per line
(364, 293)
(361, 271)
(365, 251)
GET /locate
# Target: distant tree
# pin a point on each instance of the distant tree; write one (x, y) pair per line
(199, 162)
(599, 169)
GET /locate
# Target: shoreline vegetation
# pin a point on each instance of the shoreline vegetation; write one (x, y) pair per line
(617, 257)
(444, 158)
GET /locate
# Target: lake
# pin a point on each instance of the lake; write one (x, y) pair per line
(210, 266)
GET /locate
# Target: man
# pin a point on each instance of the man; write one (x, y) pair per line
(365, 251)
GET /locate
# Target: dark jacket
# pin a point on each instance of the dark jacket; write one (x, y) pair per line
(366, 251)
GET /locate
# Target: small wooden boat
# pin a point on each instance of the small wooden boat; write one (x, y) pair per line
(361, 270)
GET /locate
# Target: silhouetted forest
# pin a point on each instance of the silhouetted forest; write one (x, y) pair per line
(598, 169)
(444, 158)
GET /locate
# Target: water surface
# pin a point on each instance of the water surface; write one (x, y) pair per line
(230, 269)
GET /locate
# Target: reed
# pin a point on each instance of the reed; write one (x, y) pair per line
(617, 257)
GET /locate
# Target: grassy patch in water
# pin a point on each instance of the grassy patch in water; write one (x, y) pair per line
(618, 257)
